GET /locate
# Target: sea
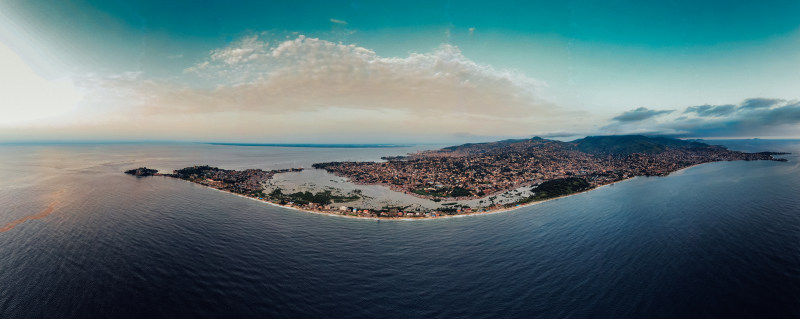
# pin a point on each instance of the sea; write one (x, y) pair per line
(80, 239)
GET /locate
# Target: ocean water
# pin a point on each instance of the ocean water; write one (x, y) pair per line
(79, 239)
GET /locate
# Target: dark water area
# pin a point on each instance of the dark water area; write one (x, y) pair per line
(712, 241)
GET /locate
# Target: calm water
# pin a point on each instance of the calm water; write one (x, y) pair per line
(83, 240)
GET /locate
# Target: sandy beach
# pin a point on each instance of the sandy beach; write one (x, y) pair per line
(488, 212)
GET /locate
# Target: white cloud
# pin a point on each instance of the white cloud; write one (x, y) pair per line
(308, 88)
(311, 74)
(337, 21)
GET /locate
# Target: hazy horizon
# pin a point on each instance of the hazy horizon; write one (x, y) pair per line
(373, 144)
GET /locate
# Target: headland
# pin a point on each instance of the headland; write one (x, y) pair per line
(548, 169)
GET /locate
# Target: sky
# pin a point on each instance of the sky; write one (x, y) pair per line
(389, 71)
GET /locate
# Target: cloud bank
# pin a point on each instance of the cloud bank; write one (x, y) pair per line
(711, 110)
(307, 74)
(257, 89)
(753, 117)
(639, 114)
(760, 102)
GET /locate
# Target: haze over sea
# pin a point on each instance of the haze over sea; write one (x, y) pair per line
(79, 239)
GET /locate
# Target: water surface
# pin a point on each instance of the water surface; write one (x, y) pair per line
(715, 240)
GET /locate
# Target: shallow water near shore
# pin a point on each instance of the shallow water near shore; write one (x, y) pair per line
(715, 240)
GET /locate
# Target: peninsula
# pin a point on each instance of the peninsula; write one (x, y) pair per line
(547, 168)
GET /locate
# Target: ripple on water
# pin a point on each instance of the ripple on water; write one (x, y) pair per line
(716, 240)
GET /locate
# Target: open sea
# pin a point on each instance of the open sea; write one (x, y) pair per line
(80, 239)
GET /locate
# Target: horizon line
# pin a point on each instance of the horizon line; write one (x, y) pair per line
(340, 144)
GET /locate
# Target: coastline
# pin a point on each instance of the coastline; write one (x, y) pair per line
(488, 212)
(398, 189)
(558, 169)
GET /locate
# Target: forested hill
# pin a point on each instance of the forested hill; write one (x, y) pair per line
(483, 147)
(596, 145)
(630, 144)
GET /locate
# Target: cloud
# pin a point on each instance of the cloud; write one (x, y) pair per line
(711, 110)
(261, 89)
(757, 103)
(639, 114)
(781, 121)
(307, 74)
(786, 114)
(337, 21)
(772, 118)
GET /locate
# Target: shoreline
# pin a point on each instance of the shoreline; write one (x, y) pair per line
(558, 169)
(395, 188)
(488, 212)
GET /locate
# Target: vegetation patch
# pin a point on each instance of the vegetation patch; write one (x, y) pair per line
(555, 188)
(443, 192)
(324, 197)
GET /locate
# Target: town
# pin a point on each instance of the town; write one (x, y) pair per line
(471, 171)
(478, 170)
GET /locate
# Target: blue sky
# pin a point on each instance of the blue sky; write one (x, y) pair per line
(331, 71)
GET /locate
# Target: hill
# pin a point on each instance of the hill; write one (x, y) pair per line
(630, 144)
(479, 169)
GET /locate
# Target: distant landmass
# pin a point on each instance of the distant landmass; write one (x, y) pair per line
(480, 170)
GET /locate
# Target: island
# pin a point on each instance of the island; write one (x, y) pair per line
(142, 172)
(547, 169)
